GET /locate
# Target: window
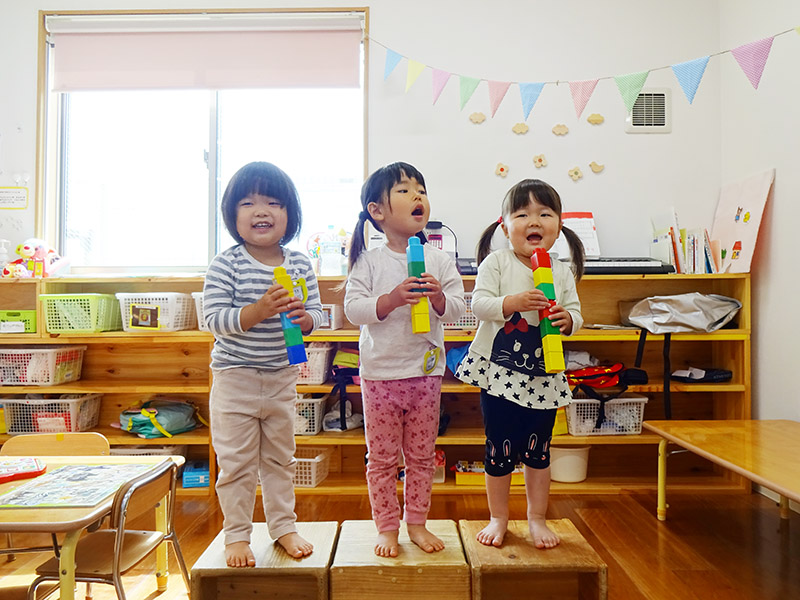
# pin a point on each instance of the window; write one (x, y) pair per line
(141, 167)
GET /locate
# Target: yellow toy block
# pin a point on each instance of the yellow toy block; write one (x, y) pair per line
(553, 353)
(541, 275)
(420, 317)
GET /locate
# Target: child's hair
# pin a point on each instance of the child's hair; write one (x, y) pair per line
(265, 179)
(376, 189)
(519, 197)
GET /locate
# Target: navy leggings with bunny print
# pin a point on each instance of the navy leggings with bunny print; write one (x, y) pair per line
(514, 434)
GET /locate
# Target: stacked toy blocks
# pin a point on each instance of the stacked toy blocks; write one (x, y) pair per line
(420, 312)
(292, 334)
(551, 336)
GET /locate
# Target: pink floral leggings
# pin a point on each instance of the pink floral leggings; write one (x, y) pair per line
(402, 413)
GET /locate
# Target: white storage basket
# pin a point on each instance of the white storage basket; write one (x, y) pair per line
(175, 311)
(53, 415)
(40, 365)
(623, 416)
(312, 466)
(198, 306)
(315, 371)
(467, 320)
(308, 416)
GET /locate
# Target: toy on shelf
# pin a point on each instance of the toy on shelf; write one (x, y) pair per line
(292, 334)
(38, 259)
(420, 312)
(551, 336)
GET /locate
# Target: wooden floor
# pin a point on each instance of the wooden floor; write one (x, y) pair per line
(712, 547)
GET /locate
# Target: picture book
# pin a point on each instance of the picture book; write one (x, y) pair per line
(20, 467)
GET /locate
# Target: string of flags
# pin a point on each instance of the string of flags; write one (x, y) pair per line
(751, 57)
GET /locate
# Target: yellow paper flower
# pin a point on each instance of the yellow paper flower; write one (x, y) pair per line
(539, 161)
(575, 173)
(501, 170)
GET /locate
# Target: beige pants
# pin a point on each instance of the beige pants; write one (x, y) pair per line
(252, 430)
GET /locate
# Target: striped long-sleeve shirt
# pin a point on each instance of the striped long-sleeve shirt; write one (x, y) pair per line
(236, 279)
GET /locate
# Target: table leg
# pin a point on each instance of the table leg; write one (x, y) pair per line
(66, 565)
(662, 481)
(162, 560)
(784, 507)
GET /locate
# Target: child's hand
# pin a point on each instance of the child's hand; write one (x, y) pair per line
(405, 293)
(529, 300)
(299, 316)
(434, 292)
(560, 317)
(275, 300)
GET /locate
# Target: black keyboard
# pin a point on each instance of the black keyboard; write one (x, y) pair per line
(625, 265)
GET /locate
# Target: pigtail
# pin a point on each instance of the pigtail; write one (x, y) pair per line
(485, 241)
(357, 243)
(576, 249)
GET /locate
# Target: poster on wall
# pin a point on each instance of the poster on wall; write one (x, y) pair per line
(737, 219)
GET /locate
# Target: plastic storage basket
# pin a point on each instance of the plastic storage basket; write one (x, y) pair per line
(81, 313)
(40, 365)
(198, 307)
(315, 370)
(623, 416)
(308, 417)
(312, 466)
(175, 311)
(468, 320)
(55, 415)
(17, 321)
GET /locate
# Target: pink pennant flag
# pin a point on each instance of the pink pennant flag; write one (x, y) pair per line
(581, 92)
(439, 81)
(752, 58)
(497, 91)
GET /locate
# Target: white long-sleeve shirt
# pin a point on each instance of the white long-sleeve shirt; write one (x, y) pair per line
(388, 349)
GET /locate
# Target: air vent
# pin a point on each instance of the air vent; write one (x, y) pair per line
(651, 112)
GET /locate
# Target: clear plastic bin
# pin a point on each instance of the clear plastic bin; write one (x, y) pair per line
(315, 371)
(157, 311)
(40, 365)
(313, 465)
(52, 415)
(81, 313)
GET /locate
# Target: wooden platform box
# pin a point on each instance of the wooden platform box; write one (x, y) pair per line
(514, 571)
(276, 574)
(358, 573)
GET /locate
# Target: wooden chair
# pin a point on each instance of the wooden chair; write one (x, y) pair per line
(51, 444)
(104, 556)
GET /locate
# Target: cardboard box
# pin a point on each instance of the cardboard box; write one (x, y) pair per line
(332, 316)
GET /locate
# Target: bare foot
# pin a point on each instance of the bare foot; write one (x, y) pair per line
(239, 554)
(386, 544)
(295, 545)
(493, 533)
(424, 538)
(541, 535)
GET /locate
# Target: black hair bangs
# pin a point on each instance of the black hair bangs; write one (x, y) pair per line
(519, 196)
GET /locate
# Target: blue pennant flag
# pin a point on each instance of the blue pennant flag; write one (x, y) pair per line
(392, 58)
(530, 94)
(689, 74)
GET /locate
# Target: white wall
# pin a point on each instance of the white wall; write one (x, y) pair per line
(759, 131)
(729, 132)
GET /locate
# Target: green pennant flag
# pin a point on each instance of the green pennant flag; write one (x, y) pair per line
(630, 85)
(467, 85)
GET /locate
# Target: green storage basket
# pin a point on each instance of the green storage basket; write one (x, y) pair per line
(27, 317)
(81, 313)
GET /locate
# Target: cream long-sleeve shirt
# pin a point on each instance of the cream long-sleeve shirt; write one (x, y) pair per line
(388, 349)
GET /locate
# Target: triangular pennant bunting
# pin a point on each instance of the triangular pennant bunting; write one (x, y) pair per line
(629, 87)
(414, 70)
(581, 92)
(752, 57)
(689, 74)
(467, 87)
(440, 79)
(529, 92)
(392, 58)
(497, 91)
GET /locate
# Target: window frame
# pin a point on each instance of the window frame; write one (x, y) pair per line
(49, 211)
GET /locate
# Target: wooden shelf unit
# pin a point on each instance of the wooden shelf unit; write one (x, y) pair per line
(129, 368)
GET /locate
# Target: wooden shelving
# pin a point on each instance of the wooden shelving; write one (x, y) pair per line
(131, 367)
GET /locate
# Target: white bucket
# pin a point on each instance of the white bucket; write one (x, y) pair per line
(569, 464)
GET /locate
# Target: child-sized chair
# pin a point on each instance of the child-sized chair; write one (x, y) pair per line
(104, 556)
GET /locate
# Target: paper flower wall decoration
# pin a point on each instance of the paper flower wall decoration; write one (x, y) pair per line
(539, 161)
(560, 129)
(575, 173)
(501, 170)
(520, 128)
(595, 167)
(477, 118)
(595, 118)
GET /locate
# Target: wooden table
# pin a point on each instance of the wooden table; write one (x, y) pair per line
(765, 452)
(73, 520)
